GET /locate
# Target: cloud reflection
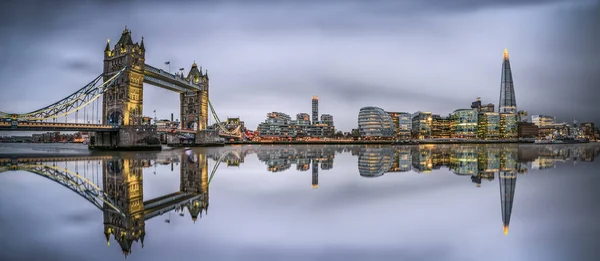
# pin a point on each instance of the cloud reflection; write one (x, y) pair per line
(126, 211)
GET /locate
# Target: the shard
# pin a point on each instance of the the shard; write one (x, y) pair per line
(508, 102)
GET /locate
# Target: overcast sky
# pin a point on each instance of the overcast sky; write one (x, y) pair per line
(410, 55)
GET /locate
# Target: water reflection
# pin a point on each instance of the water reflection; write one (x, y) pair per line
(114, 183)
(119, 193)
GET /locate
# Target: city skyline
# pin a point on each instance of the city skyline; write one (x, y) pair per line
(374, 60)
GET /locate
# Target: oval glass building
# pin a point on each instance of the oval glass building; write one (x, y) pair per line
(375, 122)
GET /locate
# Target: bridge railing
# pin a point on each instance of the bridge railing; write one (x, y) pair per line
(58, 124)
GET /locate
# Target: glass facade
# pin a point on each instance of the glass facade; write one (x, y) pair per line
(542, 120)
(508, 102)
(374, 162)
(587, 130)
(421, 125)
(404, 125)
(464, 161)
(464, 123)
(508, 126)
(488, 126)
(375, 122)
(440, 127)
(396, 120)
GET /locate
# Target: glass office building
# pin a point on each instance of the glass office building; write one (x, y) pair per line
(421, 125)
(488, 126)
(374, 122)
(464, 123)
(508, 126)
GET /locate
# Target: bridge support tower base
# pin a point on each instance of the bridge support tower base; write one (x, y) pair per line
(208, 138)
(127, 138)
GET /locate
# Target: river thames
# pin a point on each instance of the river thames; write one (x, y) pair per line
(317, 202)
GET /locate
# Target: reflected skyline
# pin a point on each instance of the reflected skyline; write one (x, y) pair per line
(121, 179)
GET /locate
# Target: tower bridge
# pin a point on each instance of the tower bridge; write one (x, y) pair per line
(116, 96)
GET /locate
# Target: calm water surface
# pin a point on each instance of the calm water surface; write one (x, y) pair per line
(450, 202)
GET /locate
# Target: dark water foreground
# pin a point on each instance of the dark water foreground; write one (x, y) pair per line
(330, 202)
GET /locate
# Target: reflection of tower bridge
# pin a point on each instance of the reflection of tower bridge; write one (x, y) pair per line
(115, 185)
(111, 105)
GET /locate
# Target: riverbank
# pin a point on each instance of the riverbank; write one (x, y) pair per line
(375, 142)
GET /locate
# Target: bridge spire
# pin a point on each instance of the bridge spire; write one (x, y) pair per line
(107, 48)
(142, 47)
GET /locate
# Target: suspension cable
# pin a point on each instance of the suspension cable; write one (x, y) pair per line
(81, 98)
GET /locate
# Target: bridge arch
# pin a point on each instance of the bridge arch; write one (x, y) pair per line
(115, 118)
(193, 125)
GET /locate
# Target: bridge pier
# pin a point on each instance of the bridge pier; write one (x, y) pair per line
(127, 138)
(208, 137)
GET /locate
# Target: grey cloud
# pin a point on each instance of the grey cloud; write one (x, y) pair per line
(264, 57)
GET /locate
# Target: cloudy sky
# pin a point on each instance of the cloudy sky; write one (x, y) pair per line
(267, 55)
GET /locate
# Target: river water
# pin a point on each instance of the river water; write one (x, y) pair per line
(428, 202)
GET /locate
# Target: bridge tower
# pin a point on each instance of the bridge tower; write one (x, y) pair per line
(122, 103)
(194, 104)
(122, 180)
(194, 180)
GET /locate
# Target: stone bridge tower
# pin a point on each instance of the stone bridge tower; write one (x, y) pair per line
(194, 104)
(122, 104)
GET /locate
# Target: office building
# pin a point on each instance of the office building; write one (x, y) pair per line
(508, 102)
(587, 130)
(555, 130)
(374, 122)
(440, 127)
(395, 118)
(479, 107)
(542, 120)
(404, 125)
(488, 126)
(527, 130)
(421, 125)
(315, 108)
(464, 123)
(508, 126)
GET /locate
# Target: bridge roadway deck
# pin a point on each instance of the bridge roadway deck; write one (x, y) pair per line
(160, 78)
(164, 204)
(55, 126)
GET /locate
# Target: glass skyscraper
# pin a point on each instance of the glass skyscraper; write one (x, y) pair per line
(508, 102)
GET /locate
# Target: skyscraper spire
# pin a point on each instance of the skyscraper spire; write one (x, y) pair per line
(508, 102)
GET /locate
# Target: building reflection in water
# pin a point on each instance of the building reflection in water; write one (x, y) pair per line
(125, 210)
(123, 183)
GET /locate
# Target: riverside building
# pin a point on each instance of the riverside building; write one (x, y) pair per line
(374, 122)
